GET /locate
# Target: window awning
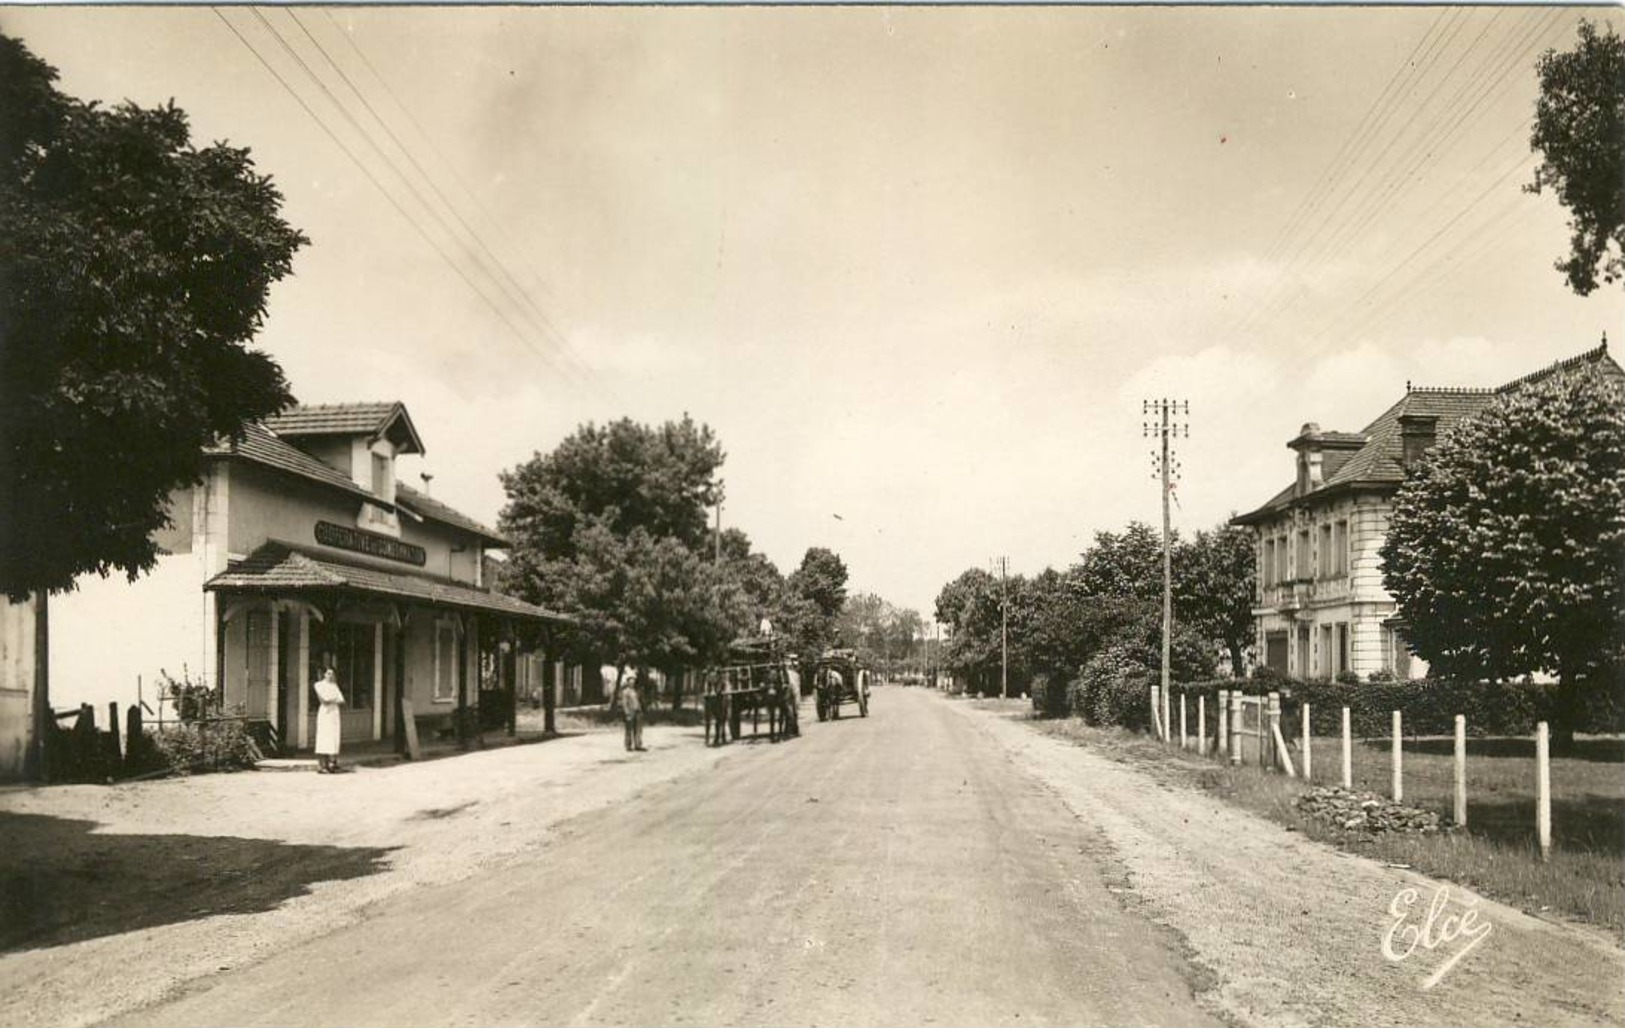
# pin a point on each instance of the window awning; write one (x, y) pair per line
(280, 568)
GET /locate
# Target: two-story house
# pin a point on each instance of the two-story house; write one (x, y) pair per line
(301, 550)
(1321, 608)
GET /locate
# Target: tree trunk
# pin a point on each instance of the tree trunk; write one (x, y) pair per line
(1237, 660)
(675, 679)
(35, 761)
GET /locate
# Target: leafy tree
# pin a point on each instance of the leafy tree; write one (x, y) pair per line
(754, 574)
(970, 605)
(628, 475)
(611, 527)
(814, 594)
(1506, 548)
(134, 269)
(1580, 131)
(1215, 579)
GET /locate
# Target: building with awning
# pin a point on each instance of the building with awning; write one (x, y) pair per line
(299, 551)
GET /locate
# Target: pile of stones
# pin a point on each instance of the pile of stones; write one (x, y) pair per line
(1368, 812)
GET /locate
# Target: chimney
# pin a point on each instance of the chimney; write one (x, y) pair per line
(1310, 457)
(1416, 434)
(426, 477)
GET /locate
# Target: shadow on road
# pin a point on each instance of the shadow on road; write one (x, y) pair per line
(59, 883)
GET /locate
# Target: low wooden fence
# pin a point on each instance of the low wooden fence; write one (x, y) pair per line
(1251, 730)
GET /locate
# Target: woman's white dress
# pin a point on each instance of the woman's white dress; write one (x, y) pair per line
(327, 717)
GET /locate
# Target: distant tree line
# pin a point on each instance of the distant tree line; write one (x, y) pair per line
(1104, 610)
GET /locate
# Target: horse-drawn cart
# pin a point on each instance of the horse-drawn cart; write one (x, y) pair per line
(838, 678)
(756, 679)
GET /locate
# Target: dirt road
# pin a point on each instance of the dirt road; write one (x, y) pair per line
(937, 863)
(893, 870)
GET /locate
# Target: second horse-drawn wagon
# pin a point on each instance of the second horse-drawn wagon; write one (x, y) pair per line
(756, 679)
(837, 678)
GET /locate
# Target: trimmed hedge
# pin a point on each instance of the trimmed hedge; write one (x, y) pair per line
(1429, 706)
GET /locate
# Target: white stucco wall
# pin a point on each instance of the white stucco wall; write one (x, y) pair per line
(111, 632)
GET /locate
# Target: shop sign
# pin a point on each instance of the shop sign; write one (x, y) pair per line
(352, 539)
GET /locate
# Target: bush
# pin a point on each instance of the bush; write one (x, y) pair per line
(1050, 695)
(1113, 688)
(193, 700)
(198, 748)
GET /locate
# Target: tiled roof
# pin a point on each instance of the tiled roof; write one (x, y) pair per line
(423, 505)
(1379, 460)
(364, 417)
(260, 446)
(275, 566)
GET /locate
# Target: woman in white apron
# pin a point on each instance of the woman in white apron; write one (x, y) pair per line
(327, 723)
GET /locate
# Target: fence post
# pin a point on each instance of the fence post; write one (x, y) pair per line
(1269, 728)
(1201, 725)
(1184, 725)
(1461, 771)
(1398, 763)
(1235, 728)
(1348, 752)
(115, 754)
(1304, 745)
(1221, 743)
(1543, 790)
(134, 741)
(1156, 719)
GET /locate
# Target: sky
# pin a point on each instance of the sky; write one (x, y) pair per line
(918, 267)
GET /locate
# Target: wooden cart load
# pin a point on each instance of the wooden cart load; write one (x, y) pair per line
(755, 678)
(838, 678)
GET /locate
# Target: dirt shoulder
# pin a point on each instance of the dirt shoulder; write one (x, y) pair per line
(116, 896)
(1294, 932)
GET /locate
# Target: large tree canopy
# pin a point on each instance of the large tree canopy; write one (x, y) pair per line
(1580, 131)
(611, 527)
(134, 268)
(1506, 548)
(661, 479)
(814, 595)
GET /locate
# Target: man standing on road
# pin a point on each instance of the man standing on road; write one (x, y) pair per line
(632, 714)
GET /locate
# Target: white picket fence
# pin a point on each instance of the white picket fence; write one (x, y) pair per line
(1247, 730)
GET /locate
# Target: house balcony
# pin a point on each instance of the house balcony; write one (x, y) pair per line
(1302, 593)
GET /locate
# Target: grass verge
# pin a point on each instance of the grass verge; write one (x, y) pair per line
(1584, 878)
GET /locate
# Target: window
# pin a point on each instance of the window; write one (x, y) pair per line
(383, 484)
(1266, 558)
(1342, 648)
(1323, 667)
(1304, 570)
(445, 662)
(1340, 547)
(1326, 567)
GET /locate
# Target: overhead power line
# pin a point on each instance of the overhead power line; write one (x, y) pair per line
(541, 350)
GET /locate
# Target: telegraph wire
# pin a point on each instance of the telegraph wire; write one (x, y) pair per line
(451, 166)
(1487, 79)
(1307, 245)
(389, 163)
(517, 291)
(1510, 60)
(388, 196)
(1521, 162)
(1335, 167)
(1409, 76)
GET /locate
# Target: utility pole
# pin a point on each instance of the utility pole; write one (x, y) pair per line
(1166, 466)
(716, 538)
(1004, 631)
